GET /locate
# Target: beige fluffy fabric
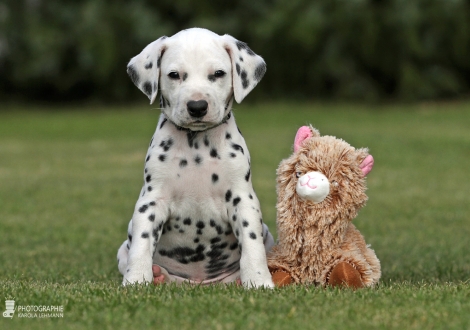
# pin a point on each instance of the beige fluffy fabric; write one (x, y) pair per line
(313, 238)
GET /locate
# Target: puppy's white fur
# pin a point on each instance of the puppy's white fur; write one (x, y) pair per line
(197, 167)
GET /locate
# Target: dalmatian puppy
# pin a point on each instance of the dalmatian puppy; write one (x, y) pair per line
(197, 218)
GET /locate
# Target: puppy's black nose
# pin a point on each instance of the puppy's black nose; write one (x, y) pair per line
(197, 109)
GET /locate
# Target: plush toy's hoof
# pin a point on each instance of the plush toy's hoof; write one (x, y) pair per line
(343, 274)
(281, 278)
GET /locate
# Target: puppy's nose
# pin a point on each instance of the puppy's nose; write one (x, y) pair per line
(197, 108)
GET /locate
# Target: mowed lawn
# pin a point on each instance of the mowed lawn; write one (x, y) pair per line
(69, 179)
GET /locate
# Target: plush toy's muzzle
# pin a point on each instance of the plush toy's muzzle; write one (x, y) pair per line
(313, 186)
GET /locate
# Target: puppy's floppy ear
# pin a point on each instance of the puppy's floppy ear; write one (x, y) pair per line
(247, 67)
(144, 69)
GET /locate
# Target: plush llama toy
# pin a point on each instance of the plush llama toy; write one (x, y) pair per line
(320, 189)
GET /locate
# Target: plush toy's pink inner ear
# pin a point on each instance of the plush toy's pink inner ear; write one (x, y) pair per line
(367, 164)
(302, 134)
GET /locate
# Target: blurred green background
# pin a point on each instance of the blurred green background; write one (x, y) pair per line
(362, 50)
(391, 75)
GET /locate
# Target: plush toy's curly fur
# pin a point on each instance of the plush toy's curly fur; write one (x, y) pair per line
(314, 238)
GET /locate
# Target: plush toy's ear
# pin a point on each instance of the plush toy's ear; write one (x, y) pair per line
(144, 69)
(247, 67)
(303, 134)
(367, 164)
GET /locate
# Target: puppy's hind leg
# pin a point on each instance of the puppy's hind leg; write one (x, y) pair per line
(122, 255)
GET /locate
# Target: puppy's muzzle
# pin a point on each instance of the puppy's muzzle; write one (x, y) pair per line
(197, 109)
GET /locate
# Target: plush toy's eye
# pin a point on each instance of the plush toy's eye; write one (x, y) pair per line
(298, 174)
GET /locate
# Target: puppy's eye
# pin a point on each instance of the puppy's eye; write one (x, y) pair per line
(219, 73)
(174, 75)
(298, 174)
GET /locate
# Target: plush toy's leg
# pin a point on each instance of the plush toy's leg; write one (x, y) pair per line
(343, 274)
(281, 278)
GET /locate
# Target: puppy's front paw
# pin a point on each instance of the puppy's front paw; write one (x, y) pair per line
(253, 282)
(132, 277)
(258, 284)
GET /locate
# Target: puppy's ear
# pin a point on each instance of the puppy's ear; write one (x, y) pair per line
(144, 69)
(247, 67)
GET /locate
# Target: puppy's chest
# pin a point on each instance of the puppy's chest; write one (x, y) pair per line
(193, 165)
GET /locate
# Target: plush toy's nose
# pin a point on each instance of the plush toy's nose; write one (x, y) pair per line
(313, 186)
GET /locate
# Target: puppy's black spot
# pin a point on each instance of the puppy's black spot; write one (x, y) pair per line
(206, 141)
(237, 66)
(215, 178)
(145, 235)
(245, 81)
(215, 240)
(259, 72)
(233, 246)
(191, 136)
(219, 230)
(228, 195)
(238, 147)
(250, 196)
(234, 217)
(148, 66)
(143, 208)
(149, 188)
(129, 236)
(133, 74)
(228, 136)
(147, 87)
(245, 223)
(252, 235)
(162, 158)
(185, 76)
(214, 153)
(211, 78)
(163, 122)
(236, 201)
(232, 155)
(247, 175)
(152, 217)
(241, 45)
(166, 145)
(198, 159)
(147, 159)
(183, 163)
(148, 178)
(241, 59)
(187, 221)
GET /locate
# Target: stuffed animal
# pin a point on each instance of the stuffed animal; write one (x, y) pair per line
(320, 189)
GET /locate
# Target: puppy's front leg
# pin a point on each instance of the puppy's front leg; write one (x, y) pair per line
(147, 225)
(248, 224)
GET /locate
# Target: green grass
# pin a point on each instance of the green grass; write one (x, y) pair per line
(69, 181)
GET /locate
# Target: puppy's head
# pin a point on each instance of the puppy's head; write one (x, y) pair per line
(198, 73)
